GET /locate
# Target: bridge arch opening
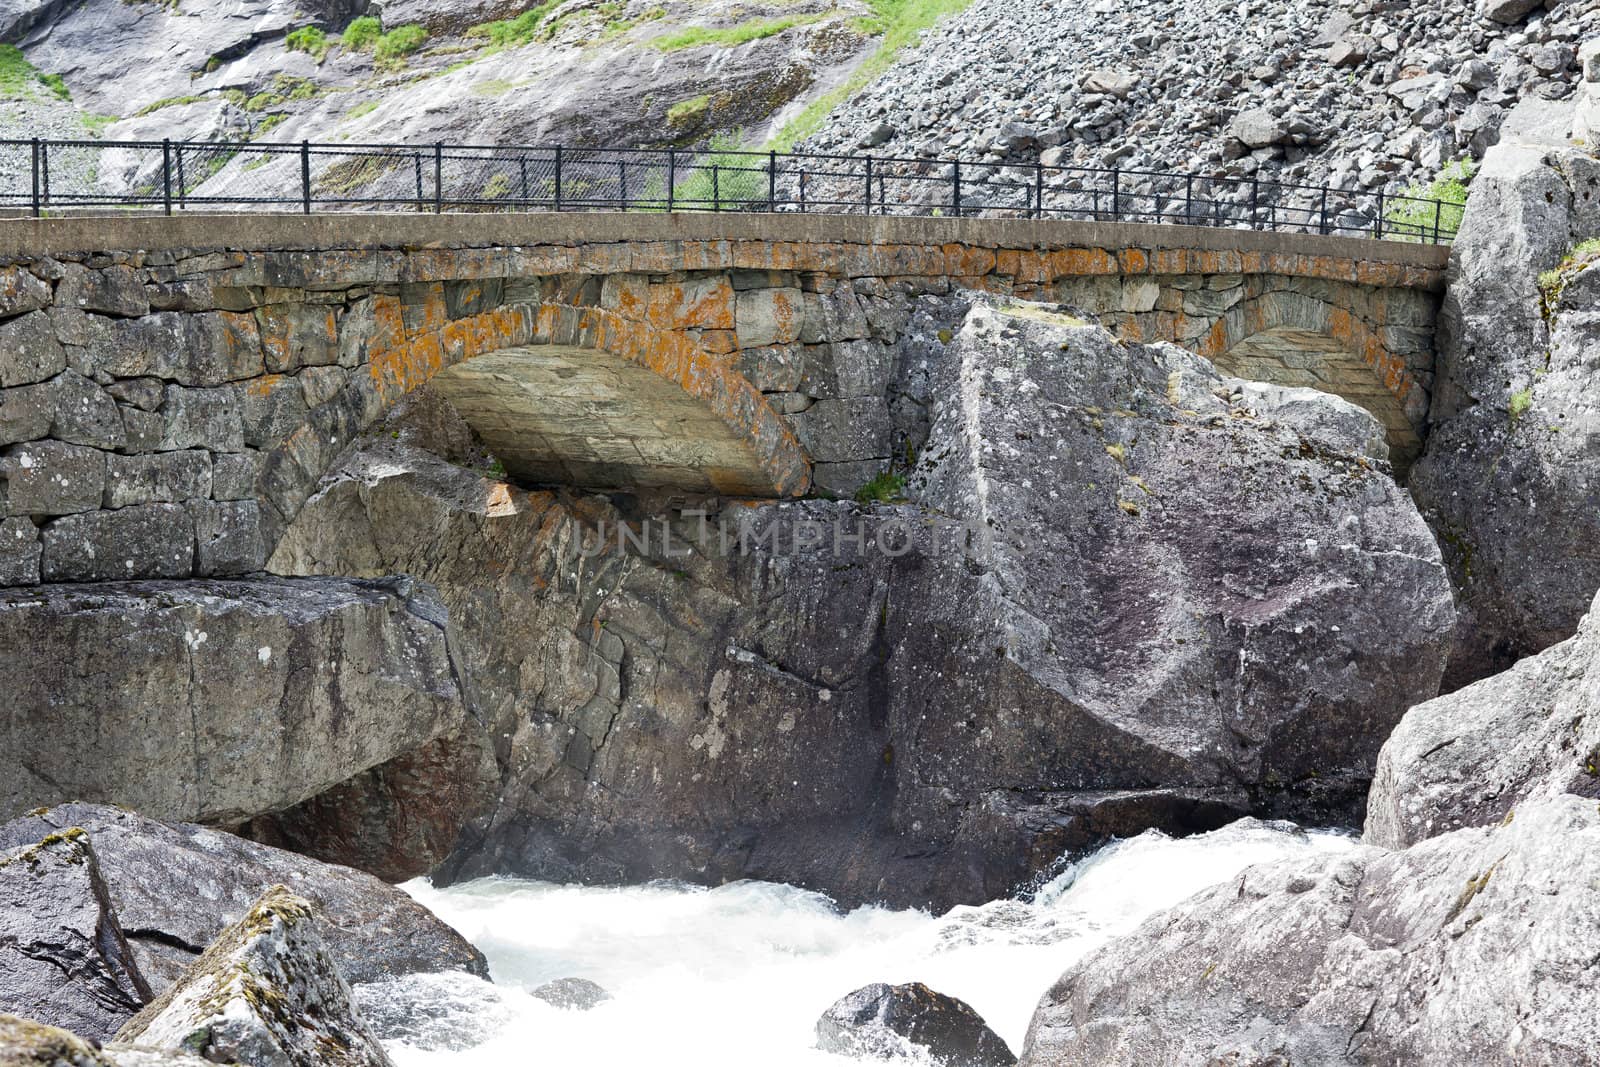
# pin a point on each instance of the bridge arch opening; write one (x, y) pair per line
(1291, 339)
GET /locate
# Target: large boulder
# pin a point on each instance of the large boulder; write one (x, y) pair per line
(889, 1022)
(1475, 756)
(63, 958)
(175, 887)
(219, 701)
(1472, 947)
(1224, 605)
(1508, 479)
(266, 993)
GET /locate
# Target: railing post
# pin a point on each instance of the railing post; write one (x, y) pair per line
(305, 176)
(1377, 226)
(772, 181)
(1188, 199)
(1038, 189)
(802, 191)
(1116, 195)
(955, 191)
(416, 159)
(869, 186)
(166, 176)
(183, 180)
(1438, 216)
(672, 178)
(622, 182)
(716, 187)
(1324, 226)
(36, 206)
(558, 177)
(1255, 202)
(522, 167)
(438, 177)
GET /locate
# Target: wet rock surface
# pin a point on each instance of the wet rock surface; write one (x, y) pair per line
(921, 725)
(1320, 961)
(63, 958)
(887, 1022)
(267, 991)
(175, 887)
(574, 994)
(27, 1043)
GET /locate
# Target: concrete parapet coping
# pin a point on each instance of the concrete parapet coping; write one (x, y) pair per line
(21, 238)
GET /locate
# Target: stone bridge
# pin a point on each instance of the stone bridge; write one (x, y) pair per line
(171, 390)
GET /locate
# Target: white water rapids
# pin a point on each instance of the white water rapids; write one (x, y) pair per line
(739, 974)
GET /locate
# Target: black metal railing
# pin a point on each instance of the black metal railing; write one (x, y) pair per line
(40, 177)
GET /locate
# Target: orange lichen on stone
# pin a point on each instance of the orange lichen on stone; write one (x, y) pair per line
(705, 303)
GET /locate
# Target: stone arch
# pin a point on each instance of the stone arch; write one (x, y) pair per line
(746, 449)
(1290, 338)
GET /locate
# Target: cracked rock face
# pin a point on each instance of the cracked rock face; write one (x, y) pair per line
(63, 958)
(1477, 755)
(174, 887)
(1472, 947)
(267, 991)
(1223, 606)
(1508, 478)
(219, 701)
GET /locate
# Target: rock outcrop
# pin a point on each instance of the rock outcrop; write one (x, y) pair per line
(63, 958)
(1472, 947)
(266, 992)
(26, 1043)
(218, 701)
(818, 693)
(1477, 755)
(889, 1022)
(1507, 481)
(173, 888)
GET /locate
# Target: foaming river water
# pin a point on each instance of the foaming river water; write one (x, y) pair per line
(738, 974)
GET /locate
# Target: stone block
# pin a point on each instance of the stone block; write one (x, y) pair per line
(29, 351)
(298, 335)
(274, 407)
(473, 296)
(847, 369)
(321, 384)
(202, 418)
(845, 431)
(1139, 294)
(834, 316)
(843, 479)
(233, 475)
(108, 290)
(21, 291)
(143, 393)
(695, 303)
(1209, 303)
(228, 537)
(776, 369)
(194, 350)
(85, 414)
(157, 478)
(768, 317)
(51, 478)
(142, 430)
(26, 412)
(19, 552)
(147, 541)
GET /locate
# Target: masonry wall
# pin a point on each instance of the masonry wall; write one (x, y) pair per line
(166, 409)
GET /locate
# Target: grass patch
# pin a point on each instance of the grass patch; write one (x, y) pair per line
(366, 108)
(362, 33)
(884, 488)
(725, 178)
(511, 33)
(688, 112)
(20, 80)
(96, 124)
(1413, 220)
(900, 22)
(1521, 401)
(731, 36)
(494, 87)
(393, 47)
(270, 123)
(308, 39)
(171, 101)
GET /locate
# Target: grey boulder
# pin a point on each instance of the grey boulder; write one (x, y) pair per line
(29, 1043)
(63, 958)
(175, 887)
(893, 1021)
(266, 993)
(1472, 947)
(1475, 756)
